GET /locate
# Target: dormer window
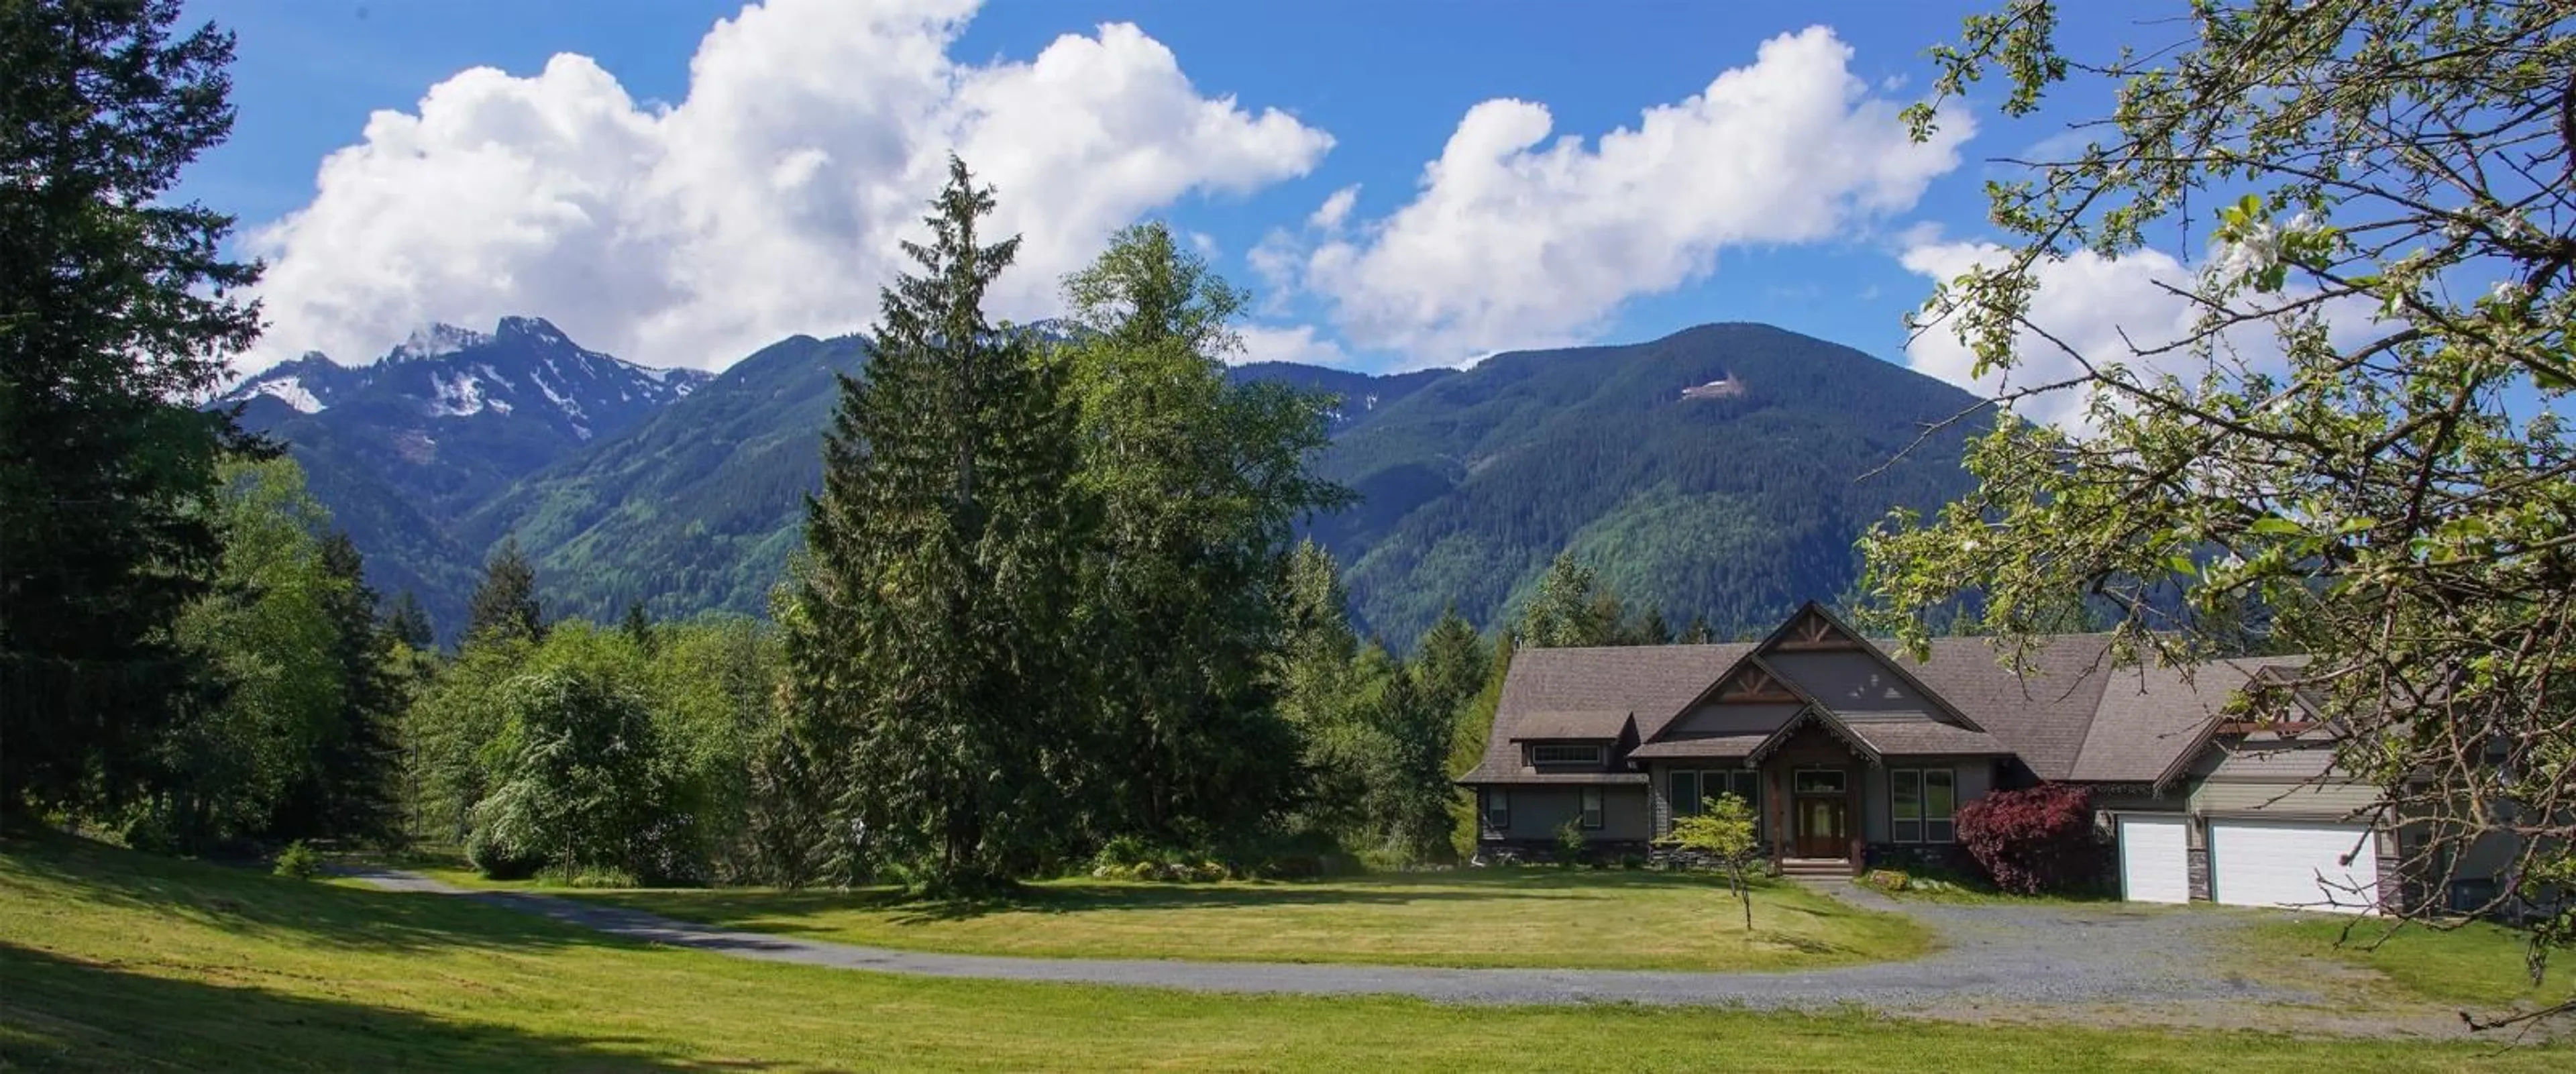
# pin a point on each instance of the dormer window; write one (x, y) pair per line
(1562, 754)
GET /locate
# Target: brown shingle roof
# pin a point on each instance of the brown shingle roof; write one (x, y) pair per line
(2071, 718)
(1576, 724)
(1653, 681)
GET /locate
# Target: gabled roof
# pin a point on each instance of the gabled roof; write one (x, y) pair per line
(1815, 715)
(1654, 681)
(2072, 718)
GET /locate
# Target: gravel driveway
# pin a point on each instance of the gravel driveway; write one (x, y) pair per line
(2003, 955)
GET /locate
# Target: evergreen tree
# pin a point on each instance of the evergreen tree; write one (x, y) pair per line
(116, 306)
(1408, 778)
(1449, 665)
(1698, 632)
(349, 778)
(1313, 671)
(639, 627)
(505, 601)
(934, 631)
(1571, 608)
(1197, 482)
(409, 622)
(1652, 630)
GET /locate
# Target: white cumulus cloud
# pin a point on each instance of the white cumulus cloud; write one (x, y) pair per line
(1516, 240)
(2124, 311)
(1285, 343)
(770, 201)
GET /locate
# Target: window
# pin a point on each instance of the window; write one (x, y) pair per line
(1919, 804)
(1498, 809)
(1683, 788)
(1691, 791)
(1591, 808)
(1817, 781)
(1555, 753)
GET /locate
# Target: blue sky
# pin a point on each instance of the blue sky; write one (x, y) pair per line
(438, 223)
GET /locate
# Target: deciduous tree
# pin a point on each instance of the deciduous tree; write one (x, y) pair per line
(2355, 450)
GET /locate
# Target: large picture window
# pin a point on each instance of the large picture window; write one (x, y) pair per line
(1592, 808)
(1557, 753)
(1920, 802)
(1690, 791)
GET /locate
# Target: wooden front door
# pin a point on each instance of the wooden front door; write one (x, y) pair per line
(1822, 827)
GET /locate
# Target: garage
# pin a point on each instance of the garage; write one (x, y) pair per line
(2310, 866)
(2154, 859)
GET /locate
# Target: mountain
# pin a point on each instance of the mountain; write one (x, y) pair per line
(694, 508)
(1724, 471)
(402, 448)
(1721, 471)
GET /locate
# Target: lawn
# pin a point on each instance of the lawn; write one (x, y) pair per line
(2478, 965)
(1499, 917)
(116, 961)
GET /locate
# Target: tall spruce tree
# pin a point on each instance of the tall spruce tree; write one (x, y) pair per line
(354, 760)
(933, 635)
(409, 623)
(116, 306)
(1197, 482)
(505, 601)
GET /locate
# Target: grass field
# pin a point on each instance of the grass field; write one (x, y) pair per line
(2477, 965)
(1508, 917)
(116, 961)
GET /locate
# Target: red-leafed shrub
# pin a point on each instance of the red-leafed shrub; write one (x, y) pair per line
(2035, 840)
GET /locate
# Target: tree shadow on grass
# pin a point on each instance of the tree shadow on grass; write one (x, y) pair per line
(722, 906)
(60, 1013)
(242, 901)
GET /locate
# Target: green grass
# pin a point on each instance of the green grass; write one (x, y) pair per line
(2477, 965)
(111, 960)
(1503, 917)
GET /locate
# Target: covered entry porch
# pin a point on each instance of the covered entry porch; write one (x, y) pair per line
(1824, 804)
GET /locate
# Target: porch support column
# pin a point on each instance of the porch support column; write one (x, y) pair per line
(1773, 800)
(1855, 826)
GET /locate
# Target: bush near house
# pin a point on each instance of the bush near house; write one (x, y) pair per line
(2036, 840)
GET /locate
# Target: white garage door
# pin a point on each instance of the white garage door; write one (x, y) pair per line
(2153, 865)
(2274, 863)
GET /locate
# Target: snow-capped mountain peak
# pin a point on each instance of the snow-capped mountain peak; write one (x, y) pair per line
(524, 370)
(438, 340)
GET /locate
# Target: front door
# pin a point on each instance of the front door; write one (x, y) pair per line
(1821, 828)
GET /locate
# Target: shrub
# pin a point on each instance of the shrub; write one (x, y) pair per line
(498, 860)
(1569, 845)
(2036, 840)
(298, 861)
(1632, 861)
(1890, 880)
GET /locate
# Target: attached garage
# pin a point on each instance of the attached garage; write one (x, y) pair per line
(2154, 858)
(2306, 865)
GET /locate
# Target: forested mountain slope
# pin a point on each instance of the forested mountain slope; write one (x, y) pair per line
(402, 448)
(1736, 502)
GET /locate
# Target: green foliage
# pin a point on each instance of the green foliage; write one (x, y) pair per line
(298, 861)
(580, 779)
(933, 646)
(1194, 480)
(2356, 449)
(505, 602)
(1570, 842)
(116, 302)
(1723, 833)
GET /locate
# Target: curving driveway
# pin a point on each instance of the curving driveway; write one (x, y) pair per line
(2006, 955)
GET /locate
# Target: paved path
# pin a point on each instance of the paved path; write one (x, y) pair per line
(1999, 954)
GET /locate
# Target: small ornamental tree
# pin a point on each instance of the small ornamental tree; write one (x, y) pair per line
(1724, 832)
(2034, 840)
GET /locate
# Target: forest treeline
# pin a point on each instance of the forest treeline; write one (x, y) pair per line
(1050, 605)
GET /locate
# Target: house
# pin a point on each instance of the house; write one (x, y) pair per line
(1854, 756)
